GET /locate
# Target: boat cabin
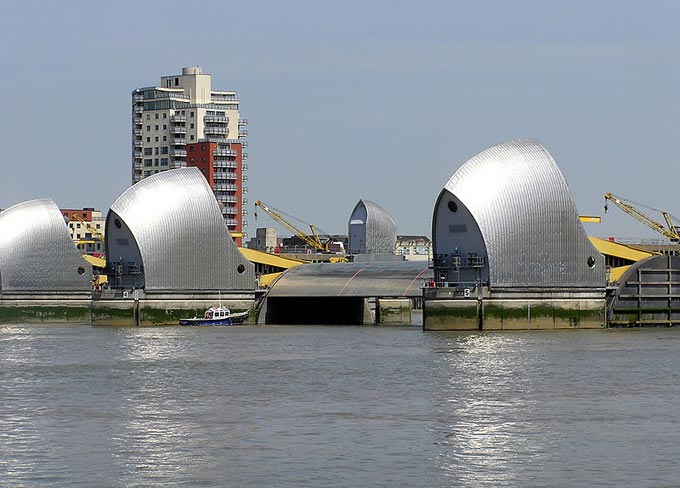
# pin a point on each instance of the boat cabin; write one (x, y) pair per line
(216, 313)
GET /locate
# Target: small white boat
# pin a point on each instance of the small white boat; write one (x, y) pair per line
(217, 316)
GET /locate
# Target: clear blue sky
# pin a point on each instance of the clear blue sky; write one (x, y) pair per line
(381, 100)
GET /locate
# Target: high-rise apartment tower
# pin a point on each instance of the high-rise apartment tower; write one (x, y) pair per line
(184, 122)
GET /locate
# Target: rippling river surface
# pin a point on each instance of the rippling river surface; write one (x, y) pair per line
(337, 406)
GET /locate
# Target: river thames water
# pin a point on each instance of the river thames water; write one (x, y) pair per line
(337, 406)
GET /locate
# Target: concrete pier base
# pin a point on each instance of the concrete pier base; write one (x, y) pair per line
(514, 314)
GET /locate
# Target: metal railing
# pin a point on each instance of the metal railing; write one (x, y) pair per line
(216, 119)
(224, 164)
(225, 152)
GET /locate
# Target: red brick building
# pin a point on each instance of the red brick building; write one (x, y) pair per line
(222, 165)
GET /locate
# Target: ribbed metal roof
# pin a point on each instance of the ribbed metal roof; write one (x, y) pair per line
(176, 223)
(380, 228)
(36, 251)
(379, 279)
(526, 215)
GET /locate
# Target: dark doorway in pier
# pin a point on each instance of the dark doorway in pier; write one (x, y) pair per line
(315, 310)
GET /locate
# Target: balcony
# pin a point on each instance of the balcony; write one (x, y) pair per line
(224, 187)
(216, 119)
(138, 109)
(244, 144)
(139, 143)
(224, 176)
(178, 119)
(178, 153)
(225, 164)
(178, 141)
(137, 97)
(177, 164)
(230, 222)
(228, 199)
(138, 132)
(242, 122)
(244, 178)
(244, 156)
(229, 211)
(223, 96)
(243, 133)
(138, 166)
(211, 129)
(225, 152)
(178, 129)
(244, 167)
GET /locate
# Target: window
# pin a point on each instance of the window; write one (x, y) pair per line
(78, 226)
(164, 161)
(191, 114)
(148, 127)
(148, 116)
(147, 173)
(155, 139)
(148, 151)
(155, 150)
(192, 125)
(165, 126)
(191, 137)
(176, 81)
(203, 148)
(183, 112)
(155, 127)
(202, 160)
(155, 116)
(165, 138)
(191, 149)
(147, 162)
(165, 115)
(191, 160)
(155, 162)
(148, 139)
(164, 150)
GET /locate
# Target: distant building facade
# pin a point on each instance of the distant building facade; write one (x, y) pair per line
(265, 240)
(174, 121)
(86, 227)
(414, 248)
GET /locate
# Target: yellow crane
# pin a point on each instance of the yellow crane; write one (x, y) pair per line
(313, 241)
(669, 230)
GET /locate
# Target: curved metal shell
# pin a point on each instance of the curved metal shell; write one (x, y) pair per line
(171, 221)
(371, 229)
(392, 279)
(522, 207)
(36, 251)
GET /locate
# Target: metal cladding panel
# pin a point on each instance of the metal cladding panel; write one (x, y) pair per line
(525, 212)
(382, 279)
(180, 232)
(381, 230)
(36, 251)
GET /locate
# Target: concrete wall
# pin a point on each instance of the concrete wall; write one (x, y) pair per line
(151, 312)
(393, 311)
(49, 310)
(514, 314)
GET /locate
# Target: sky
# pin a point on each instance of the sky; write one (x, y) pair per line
(380, 100)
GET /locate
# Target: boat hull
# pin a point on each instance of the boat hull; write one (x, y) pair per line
(233, 319)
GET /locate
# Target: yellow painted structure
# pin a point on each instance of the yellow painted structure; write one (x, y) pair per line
(259, 257)
(620, 252)
(615, 249)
